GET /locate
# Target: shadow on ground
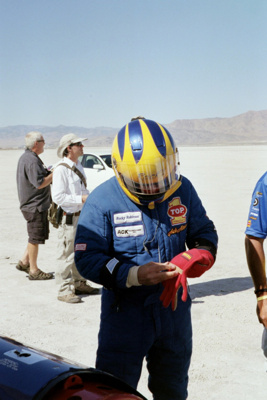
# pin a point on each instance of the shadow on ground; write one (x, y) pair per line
(220, 287)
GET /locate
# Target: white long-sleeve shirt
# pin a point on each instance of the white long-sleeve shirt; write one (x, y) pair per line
(67, 187)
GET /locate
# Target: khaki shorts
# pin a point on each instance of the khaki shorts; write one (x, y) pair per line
(37, 226)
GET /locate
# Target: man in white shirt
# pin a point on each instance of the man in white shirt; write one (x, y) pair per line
(70, 193)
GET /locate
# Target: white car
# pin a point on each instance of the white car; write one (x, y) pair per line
(97, 168)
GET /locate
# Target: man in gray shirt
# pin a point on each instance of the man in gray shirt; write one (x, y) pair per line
(33, 184)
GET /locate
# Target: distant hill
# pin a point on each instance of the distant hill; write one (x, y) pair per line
(247, 128)
(13, 136)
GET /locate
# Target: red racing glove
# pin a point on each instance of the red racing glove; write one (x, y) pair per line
(194, 263)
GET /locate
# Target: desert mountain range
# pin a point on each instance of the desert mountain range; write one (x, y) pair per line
(247, 128)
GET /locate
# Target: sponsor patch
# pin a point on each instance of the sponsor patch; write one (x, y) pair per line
(259, 194)
(177, 230)
(254, 214)
(177, 211)
(129, 231)
(256, 202)
(249, 223)
(127, 217)
(80, 247)
(187, 256)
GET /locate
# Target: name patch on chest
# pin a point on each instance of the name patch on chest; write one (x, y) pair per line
(127, 217)
(129, 231)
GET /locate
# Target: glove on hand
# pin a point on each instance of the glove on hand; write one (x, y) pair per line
(194, 263)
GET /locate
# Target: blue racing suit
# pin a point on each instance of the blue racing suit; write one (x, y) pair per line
(257, 218)
(114, 234)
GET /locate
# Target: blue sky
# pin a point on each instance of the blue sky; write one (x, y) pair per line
(99, 62)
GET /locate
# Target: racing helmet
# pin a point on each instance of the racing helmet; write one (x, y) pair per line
(145, 160)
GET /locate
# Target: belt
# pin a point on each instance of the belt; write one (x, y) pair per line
(76, 214)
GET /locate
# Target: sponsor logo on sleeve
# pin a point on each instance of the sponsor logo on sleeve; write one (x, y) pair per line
(256, 202)
(255, 214)
(249, 224)
(80, 247)
(177, 211)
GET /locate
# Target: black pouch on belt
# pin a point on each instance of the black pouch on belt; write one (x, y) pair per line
(59, 215)
(69, 219)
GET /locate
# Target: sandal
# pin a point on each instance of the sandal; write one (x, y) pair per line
(22, 267)
(40, 276)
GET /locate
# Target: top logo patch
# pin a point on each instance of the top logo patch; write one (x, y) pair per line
(177, 211)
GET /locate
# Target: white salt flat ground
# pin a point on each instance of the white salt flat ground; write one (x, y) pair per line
(227, 361)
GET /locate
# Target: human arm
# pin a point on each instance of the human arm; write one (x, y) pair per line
(85, 191)
(256, 260)
(94, 257)
(36, 173)
(46, 182)
(256, 264)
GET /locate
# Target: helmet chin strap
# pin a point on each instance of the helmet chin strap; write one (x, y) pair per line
(151, 204)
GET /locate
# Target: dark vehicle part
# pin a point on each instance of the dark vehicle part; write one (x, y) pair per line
(30, 374)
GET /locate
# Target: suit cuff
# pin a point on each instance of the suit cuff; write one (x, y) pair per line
(132, 279)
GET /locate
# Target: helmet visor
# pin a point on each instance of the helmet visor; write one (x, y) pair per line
(150, 180)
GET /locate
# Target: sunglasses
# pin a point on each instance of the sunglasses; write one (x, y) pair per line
(42, 140)
(76, 144)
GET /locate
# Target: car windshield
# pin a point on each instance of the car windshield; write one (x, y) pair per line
(89, 160)
(107, 159)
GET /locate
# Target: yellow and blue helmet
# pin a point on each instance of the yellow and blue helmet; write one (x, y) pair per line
(145, 161)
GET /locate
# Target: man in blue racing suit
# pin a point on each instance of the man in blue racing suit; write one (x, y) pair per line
(141, 234)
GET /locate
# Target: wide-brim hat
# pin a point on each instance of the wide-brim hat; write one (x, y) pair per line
(67, 140)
